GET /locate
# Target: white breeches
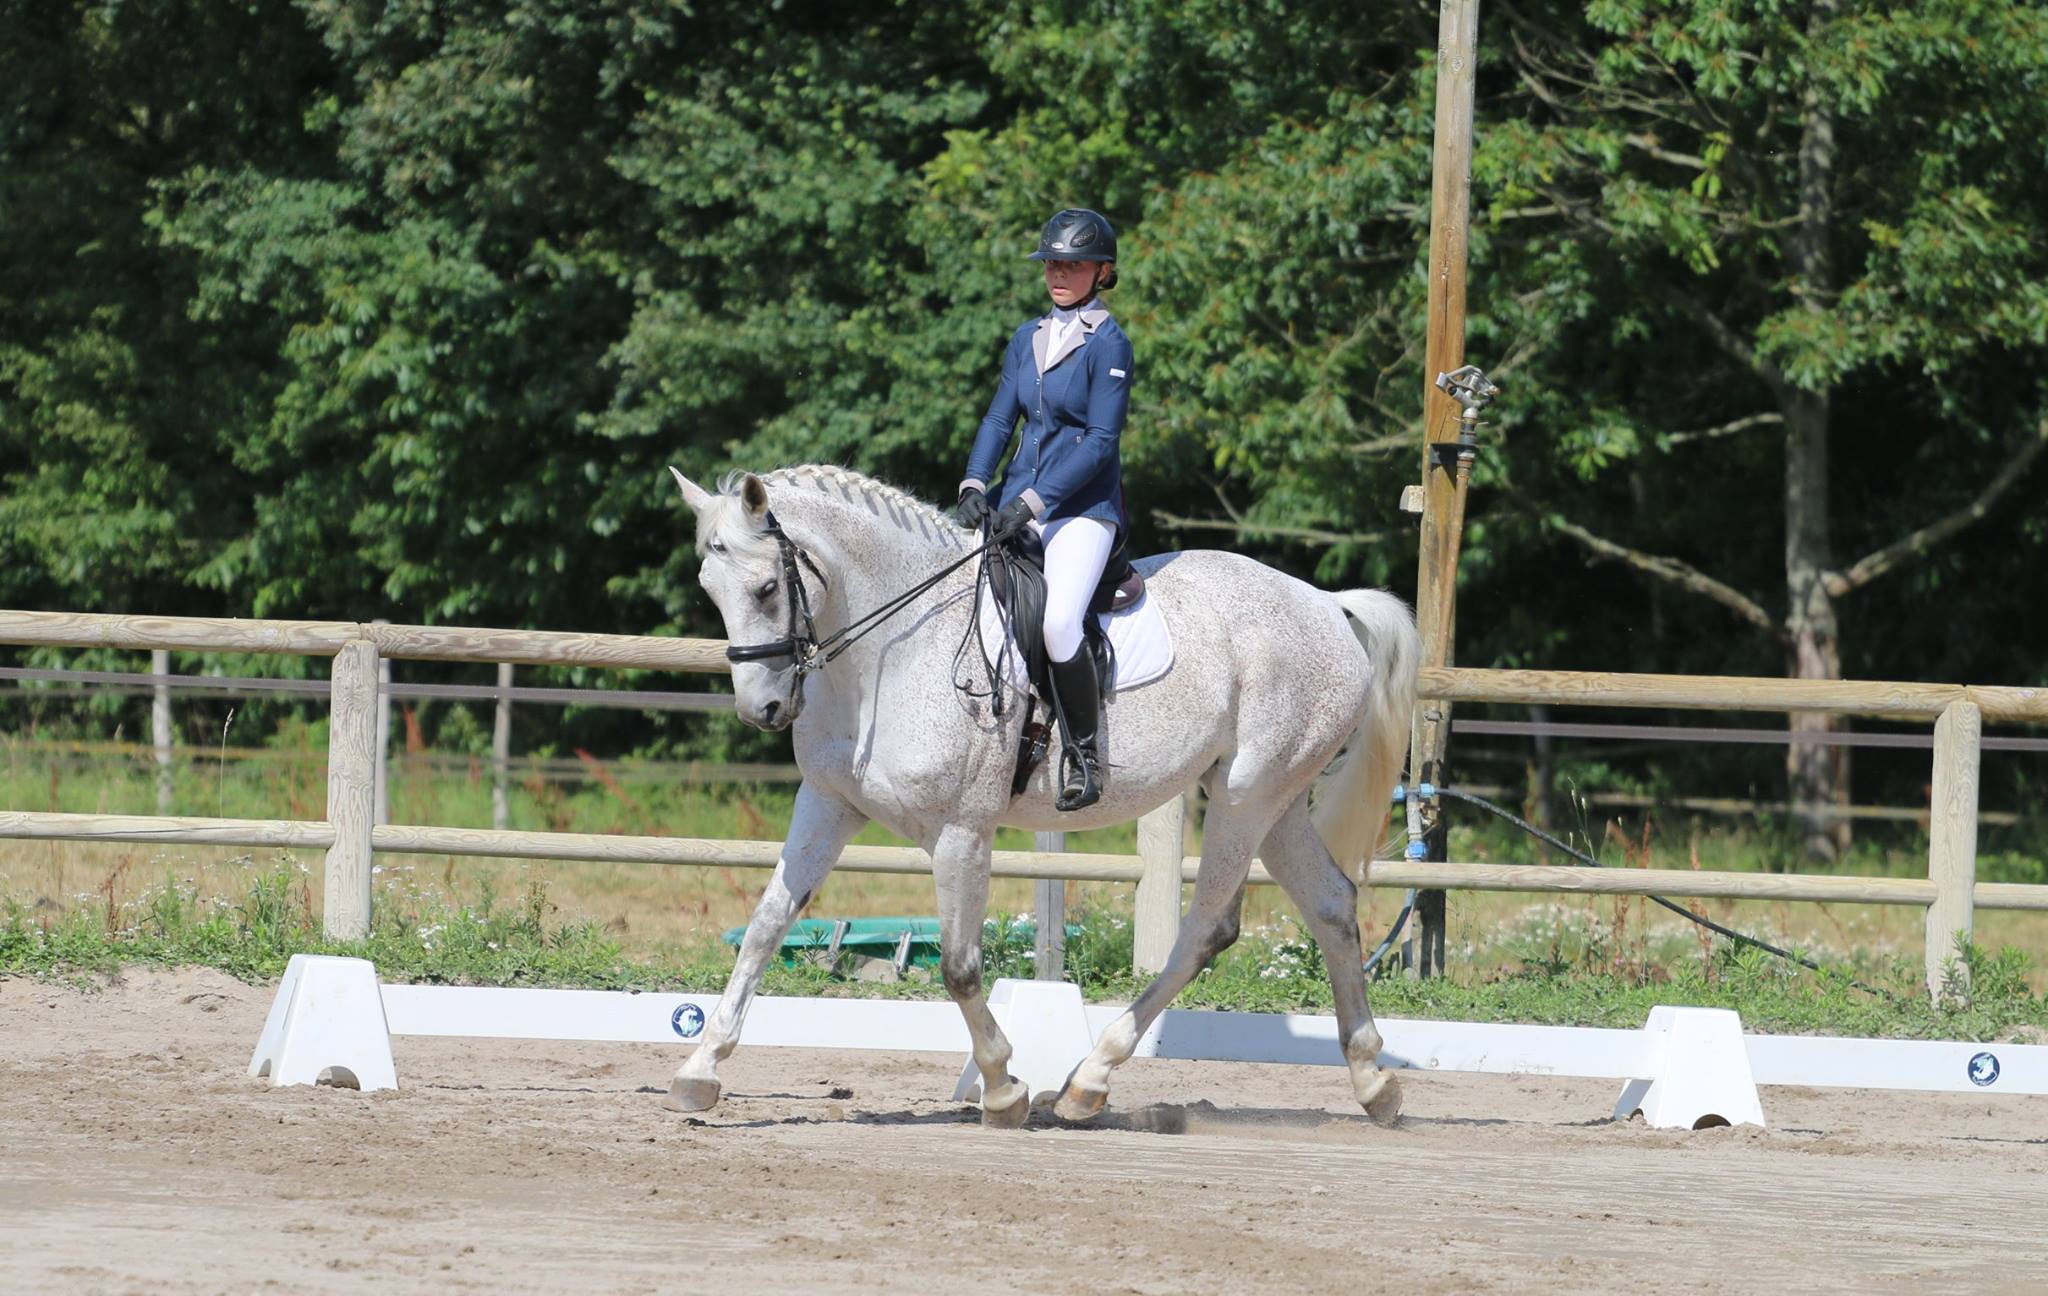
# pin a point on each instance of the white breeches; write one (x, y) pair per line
(1076, 550)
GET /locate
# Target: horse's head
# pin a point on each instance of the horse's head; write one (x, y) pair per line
(750, 573)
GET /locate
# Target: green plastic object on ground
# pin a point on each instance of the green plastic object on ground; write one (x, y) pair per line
(906, 942)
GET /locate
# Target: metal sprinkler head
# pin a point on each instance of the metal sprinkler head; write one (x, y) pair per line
(1470, 387)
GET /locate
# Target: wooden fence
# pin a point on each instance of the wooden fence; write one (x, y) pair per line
(351, 836)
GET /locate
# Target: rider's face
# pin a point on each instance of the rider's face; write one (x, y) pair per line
(1071, 282)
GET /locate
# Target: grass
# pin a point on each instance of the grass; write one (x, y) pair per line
(521, 940)
(79, 907)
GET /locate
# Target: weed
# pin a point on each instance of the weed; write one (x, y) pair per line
(1009, 946)
(1099, 949)
(534, 921)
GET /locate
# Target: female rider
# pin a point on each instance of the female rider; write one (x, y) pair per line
(1067, 378)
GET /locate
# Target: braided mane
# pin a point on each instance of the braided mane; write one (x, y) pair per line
(893, 502)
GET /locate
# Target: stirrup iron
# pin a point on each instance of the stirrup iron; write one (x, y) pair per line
(1081, 778)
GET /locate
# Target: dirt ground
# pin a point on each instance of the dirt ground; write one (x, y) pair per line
(136, 1156)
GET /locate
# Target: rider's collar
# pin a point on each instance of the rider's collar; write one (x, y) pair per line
(1091, 313)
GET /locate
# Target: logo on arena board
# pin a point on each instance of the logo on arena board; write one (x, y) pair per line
(689, 1022)
(1984, 1070)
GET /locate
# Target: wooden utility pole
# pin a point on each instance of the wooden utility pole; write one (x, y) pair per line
(1442, 483)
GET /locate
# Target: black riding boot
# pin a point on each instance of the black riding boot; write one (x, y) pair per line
(1077, 698)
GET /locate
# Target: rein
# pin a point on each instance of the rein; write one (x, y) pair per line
(802, 643)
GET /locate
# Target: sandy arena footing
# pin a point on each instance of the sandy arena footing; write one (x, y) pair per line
(140, 1158)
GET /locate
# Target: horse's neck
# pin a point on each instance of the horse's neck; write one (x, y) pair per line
(869, 549)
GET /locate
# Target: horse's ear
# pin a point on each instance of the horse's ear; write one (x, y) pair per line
(754, 495)
(693, 495)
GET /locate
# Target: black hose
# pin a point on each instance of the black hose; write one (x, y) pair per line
(1683, 912)
(1393, 932)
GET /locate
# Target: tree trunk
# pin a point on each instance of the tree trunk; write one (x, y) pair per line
(1814, 646)
(1817, 775)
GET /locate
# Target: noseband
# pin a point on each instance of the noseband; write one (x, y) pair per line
(801, 643)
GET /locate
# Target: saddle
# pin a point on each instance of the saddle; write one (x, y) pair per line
(1016, 572)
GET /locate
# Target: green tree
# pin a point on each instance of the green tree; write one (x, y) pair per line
(344, 308)
(1780, 214)
(112, 403)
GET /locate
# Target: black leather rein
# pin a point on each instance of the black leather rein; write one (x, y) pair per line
(802, 643)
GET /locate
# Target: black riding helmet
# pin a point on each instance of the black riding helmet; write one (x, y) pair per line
(1078, 234)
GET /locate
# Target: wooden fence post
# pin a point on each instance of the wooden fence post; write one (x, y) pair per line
(1952, 837)
(501, 750)
(381, 808)
(1050, 894)
(160, 726)
(351, 789)
(1161, 843)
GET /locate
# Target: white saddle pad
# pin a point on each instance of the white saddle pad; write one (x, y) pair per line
(1143, 644)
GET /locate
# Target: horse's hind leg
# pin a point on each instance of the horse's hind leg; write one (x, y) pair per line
(818, 830)
(1295, 855)
(960, 867)
(1209, 928)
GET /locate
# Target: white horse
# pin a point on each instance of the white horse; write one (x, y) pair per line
(1272, 677)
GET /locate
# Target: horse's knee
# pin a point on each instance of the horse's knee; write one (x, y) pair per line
(1063, 630)
(1221, 937)
(1226, 932)
(961, 972)
(1338, 904)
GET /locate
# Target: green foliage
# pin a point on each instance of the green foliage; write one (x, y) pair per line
(350, 309)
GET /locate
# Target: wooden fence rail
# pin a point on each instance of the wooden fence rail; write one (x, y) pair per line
(1154, 860)
(1875, 698)
(351, 837)
(573, 769)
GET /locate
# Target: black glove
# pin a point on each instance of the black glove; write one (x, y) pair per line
(1011, 520)
(972, 510)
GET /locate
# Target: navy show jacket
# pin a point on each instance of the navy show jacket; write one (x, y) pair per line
(1068, 461)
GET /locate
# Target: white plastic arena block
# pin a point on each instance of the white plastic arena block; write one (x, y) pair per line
(1047, 1027)
(626, 1016)
(1698, 1072)
(328, 1016)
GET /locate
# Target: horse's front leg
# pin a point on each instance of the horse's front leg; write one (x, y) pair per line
(960, 866)
(818, 830)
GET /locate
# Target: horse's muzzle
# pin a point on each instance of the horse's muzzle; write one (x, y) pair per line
(776, 715)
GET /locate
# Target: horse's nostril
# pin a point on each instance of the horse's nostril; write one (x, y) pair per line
(769, 712)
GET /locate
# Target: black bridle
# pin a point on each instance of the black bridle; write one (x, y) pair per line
(802, 644)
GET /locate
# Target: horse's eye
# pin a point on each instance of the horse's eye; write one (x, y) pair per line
(765, 591)
(716, 546)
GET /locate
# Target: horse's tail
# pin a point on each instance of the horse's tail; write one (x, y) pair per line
(1352, 805)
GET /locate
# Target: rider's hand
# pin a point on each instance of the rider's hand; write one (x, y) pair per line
(1011, 520)
(972, 510)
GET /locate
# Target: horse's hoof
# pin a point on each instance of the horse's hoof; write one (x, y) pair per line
(1007, 1108)
(689, 1094)
(1381, 1098)
(1079, 1104)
